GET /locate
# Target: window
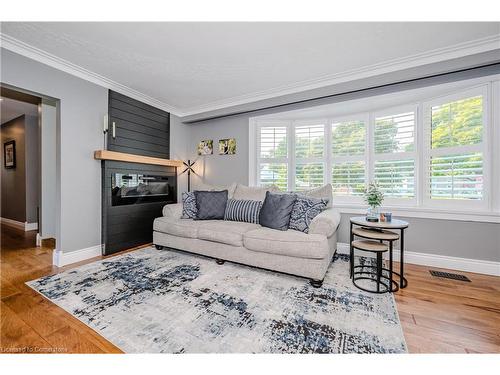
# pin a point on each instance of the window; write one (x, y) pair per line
(309, 156)
(273, 156)
(348, 149)
(394, 153)
(428, 154)
(455, 148)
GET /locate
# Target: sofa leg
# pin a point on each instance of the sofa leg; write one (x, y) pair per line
(219, 261)
(316, 283)
(159, 247)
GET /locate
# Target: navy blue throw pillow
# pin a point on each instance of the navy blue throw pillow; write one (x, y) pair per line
(276, 210)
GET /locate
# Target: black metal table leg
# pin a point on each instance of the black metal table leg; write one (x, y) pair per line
(351, 254)
(379, 271)
(390, 264)
(403, 283)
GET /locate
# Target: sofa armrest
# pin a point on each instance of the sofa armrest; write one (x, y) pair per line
(325, 223)
(173, 210)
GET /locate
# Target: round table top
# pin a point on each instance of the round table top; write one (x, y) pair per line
(394, 224)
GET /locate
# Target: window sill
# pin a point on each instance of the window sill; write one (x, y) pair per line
(425, 213)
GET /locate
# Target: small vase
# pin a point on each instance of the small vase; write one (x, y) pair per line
(373, 213)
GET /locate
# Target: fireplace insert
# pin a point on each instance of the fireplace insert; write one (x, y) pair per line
(136, 188)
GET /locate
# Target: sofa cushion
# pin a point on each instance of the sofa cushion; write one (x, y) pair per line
(291, 243)
(323, 192)
(252, 193)
(304, 211)
(243, 210)
(187, 228)
(208, 187)
(228, 232)
(276, 210)
(188, 206)
(210, 205)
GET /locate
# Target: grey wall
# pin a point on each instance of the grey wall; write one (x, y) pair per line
(32, 168)
(14, 180)
(221, 169)
(462, 239)
(81, 108)
(48, 135)
(443, 237)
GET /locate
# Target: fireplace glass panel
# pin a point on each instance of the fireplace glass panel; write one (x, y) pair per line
(131, 188)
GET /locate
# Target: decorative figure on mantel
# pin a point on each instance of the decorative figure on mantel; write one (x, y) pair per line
(189, 168)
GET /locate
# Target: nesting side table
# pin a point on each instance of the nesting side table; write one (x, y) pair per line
(395, 224)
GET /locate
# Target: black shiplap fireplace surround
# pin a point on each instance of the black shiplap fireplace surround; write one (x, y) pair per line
(133, 194)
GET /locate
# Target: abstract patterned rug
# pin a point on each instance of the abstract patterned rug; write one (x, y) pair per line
(151, 301)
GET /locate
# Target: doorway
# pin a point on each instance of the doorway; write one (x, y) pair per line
(28, 164)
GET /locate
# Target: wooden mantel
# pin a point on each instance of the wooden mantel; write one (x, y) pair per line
(131, 158)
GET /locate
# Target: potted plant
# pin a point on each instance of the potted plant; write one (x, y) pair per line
(374, 197)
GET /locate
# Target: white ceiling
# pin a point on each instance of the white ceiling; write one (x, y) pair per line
(194, 67)
(10, 109)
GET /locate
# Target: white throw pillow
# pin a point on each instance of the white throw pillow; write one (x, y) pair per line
(253, 193)
(323, 192)
(207, 187)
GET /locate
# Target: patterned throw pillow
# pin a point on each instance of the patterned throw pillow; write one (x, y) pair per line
(304, 211)
(243, 210)
(210, 205)
(188, 206)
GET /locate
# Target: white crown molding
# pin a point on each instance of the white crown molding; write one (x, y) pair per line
(24, 49)
(485, 267)
(60, 259)
(450, 52)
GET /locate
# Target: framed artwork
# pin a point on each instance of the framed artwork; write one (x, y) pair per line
(227, 146)
(206, 147)
(9, 154)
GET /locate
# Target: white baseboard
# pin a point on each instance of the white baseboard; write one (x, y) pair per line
(441, 261)
(30, 226)
(61, 259)
(12, 223)
(19, 225)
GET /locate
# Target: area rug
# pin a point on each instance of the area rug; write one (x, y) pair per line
(167, 301)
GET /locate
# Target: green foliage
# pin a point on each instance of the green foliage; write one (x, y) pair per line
(373, 195)
(457, 123)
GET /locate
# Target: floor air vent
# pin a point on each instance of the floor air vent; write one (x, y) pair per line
(446, 275)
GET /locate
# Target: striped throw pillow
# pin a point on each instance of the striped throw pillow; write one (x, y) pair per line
(243, 210)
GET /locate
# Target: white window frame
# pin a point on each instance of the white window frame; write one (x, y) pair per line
(293, 127)
(373, 157)
(488, 210)
(478, 205)
(282, 160)
(362, 116)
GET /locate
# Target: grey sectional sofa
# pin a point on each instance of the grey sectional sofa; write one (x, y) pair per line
(292, 252)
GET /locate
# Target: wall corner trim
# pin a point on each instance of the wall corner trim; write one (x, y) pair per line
(60, 259)
(485, 267)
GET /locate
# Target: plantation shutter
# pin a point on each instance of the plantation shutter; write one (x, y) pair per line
(348, 149)
(273, 156)
(309, 156)
(394, 154)
(455, 148)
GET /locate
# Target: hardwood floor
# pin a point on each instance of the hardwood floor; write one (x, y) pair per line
(437, 315)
